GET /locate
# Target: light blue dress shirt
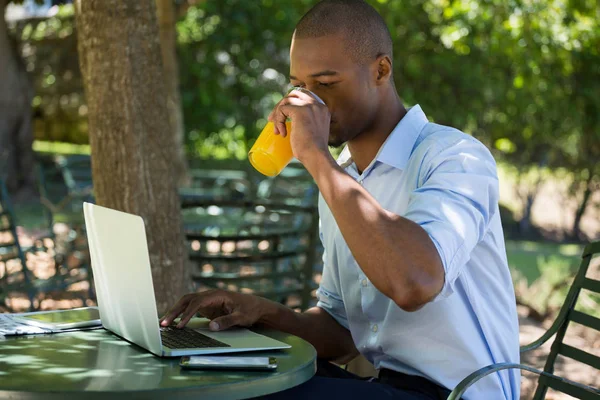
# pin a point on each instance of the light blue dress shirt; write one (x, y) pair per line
(445, 181)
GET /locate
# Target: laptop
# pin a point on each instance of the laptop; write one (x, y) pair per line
(125, 293)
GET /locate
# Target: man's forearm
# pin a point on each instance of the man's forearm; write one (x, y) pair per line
(396, 254)
(331, 340)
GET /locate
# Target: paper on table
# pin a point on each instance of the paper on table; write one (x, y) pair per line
(10, 327)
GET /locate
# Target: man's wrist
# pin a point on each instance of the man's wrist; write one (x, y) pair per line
(317, 160)
(272, 314)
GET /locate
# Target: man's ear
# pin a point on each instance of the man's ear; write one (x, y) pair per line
(384, 69)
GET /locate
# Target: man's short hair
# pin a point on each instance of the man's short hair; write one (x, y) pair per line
(365, 33)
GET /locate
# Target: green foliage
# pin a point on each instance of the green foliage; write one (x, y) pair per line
(510, 72)
(49, 49)
(521, 75)
(234, 57)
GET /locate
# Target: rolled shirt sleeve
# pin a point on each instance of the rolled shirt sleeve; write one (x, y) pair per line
(454, 202)
(333, 304)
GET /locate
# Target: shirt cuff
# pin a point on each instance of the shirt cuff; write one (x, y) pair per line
(334, 306)
(451, 270)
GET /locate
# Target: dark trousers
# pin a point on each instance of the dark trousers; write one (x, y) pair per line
(333, 382)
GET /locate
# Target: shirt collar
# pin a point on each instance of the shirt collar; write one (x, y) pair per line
(398, 146)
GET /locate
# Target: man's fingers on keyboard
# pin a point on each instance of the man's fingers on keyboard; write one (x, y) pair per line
(175, 311)
(170, 316)
(189, 312)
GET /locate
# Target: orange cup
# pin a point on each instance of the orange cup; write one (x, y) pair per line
(271, 153)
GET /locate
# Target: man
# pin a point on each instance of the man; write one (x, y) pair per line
(415, 275)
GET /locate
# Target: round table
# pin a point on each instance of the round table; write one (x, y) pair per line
(98, 365)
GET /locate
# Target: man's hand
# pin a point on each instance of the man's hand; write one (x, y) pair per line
(310, 123)
(225, 309)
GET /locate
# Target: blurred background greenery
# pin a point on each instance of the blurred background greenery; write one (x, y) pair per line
(523, 76)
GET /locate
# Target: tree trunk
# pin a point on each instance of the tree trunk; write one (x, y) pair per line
(528, 195)
(525, 222)
(130, 135)
(587, 194)
(16, 134)
(166, 25)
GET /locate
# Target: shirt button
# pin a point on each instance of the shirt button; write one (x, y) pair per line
(361, 182)
(364, 283)
(375, 328)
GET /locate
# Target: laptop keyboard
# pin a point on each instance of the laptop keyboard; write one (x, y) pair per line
(187, 338)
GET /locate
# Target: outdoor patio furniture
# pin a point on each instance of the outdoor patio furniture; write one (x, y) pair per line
(255, 247)
(570, 313)
(17, 277)
(222, 183)
(65, 182)
(293, 186)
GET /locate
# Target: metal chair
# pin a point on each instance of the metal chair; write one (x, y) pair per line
(568, 314)
(15, 275)
(76, 171)
(293, 186)
(227, 184)
(255, 247)
(64, 183)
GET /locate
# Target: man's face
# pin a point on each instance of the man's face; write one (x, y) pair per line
(347, 87)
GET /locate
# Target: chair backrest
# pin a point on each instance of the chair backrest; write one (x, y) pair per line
(17, 280)
(226, 184)
(584, 290)
(51, 182)
(64, 183)
(13, 265)
(293, 186)
(260, 248)
(77, 171)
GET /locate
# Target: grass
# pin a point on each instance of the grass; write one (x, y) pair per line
(60, 147)
(543, 273)
(550, 261)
